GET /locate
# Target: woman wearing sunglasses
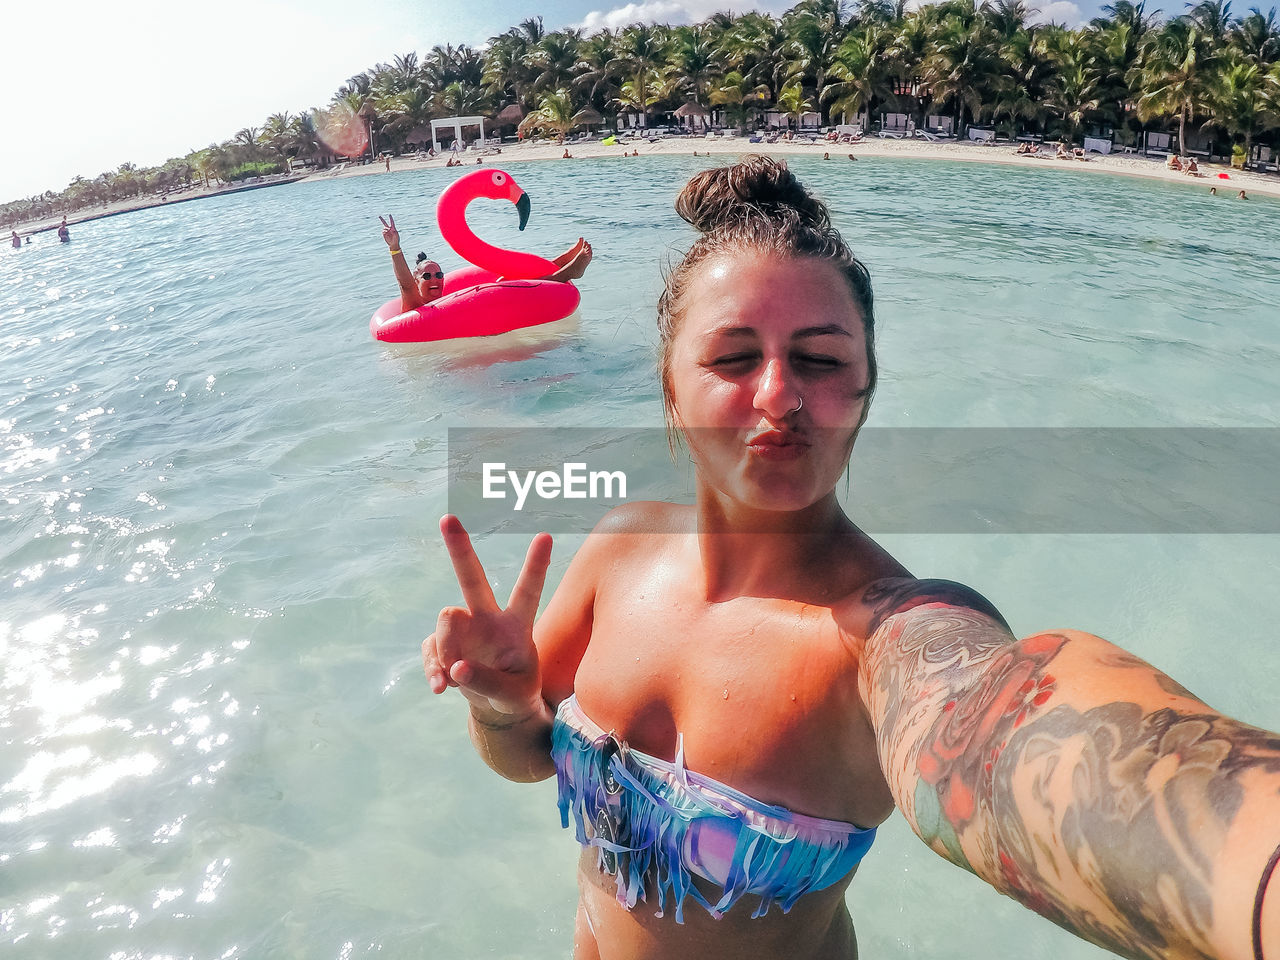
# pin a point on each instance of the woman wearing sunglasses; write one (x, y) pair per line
(425, 282)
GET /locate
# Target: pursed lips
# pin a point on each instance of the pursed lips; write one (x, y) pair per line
(778, 444)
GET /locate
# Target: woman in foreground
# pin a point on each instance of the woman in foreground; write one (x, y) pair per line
(734, 695)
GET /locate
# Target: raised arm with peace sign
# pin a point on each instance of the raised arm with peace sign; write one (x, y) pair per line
(484, 650)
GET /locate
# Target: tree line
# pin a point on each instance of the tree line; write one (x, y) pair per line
(1126, 71)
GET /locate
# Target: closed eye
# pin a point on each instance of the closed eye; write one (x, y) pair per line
(819, 361)
(734, 360)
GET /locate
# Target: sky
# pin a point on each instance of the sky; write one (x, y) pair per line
(93, 85)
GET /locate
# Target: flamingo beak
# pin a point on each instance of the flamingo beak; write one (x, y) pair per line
(522, 205)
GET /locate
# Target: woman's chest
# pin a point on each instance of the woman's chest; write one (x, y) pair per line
(762, 692)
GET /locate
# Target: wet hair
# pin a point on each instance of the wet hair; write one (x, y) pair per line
(757, 204)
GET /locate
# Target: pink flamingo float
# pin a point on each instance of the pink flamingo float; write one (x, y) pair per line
(500, 291)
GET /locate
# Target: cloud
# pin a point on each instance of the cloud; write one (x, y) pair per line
(1059, 11)
(660, 11)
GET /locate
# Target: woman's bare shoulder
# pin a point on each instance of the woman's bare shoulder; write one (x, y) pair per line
(645, 517)
(865, 608)
(892, 595)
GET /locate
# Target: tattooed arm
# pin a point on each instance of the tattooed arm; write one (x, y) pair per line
(1074, 777)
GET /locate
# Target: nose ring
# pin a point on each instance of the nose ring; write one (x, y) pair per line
(797, 407)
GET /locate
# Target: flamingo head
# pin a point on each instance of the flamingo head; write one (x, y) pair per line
(499, 185)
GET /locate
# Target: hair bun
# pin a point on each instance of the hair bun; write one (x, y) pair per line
(756, 186)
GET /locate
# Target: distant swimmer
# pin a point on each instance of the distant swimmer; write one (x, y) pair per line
(64, 235)
(17, 240)
(1241, 196)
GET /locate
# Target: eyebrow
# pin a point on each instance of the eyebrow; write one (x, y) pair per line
(823, 331)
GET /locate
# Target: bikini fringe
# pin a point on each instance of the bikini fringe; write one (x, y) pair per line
(652, 854)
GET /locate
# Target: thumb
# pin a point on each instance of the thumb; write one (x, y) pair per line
(479, 680)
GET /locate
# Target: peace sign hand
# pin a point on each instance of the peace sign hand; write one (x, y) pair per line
(389, 232)
(483, 650)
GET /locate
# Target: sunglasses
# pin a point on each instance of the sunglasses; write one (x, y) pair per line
(427, 275)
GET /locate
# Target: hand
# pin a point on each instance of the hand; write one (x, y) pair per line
(390, 233)
(483, 650)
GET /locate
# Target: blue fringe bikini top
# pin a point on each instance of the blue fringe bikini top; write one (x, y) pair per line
(655, 822)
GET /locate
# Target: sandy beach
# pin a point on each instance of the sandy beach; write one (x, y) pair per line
(1133, 165)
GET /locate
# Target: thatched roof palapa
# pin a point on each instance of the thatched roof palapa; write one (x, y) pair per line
(692, 109)
(510, 114)
(419, 134)
(587, 116)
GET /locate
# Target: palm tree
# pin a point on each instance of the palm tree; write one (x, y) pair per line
(597, 69)
(1240, 103)
(696, 61)
(555, 57)
(754, 48)
(1213, 18)
(1075, 90)
(1258, 37)
(1127, 13)
(1030, 66)
(278, 132)
(641, 50)
(739, 96)
(815, 28)
(458, 100)
(862, 70)
(554, 115)
(793, 102)
(641, 93)
(1175, 77)
(961, 62)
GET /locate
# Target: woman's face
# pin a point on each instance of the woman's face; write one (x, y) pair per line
(768, 377)
(430, 281)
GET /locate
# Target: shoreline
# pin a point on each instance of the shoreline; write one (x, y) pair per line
(1128, 164)
(1125, 165)
(33, 227)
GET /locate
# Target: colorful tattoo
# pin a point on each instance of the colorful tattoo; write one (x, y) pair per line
(1108, 821)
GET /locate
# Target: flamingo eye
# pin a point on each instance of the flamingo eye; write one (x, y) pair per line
(499, 178)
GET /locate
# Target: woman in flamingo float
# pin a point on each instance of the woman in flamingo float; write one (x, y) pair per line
(501, 290)
(424, 283)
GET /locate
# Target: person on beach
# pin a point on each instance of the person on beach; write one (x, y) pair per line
(16, 242)
(733, 695)
(425, 282)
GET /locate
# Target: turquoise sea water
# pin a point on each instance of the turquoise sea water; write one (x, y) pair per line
(218, 549)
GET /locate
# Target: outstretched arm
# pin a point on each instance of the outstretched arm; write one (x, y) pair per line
(1074, 777)
(410, 298)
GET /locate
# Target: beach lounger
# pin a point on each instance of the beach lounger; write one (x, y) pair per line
(942, 128)
(1157, 143)
(894, 126)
